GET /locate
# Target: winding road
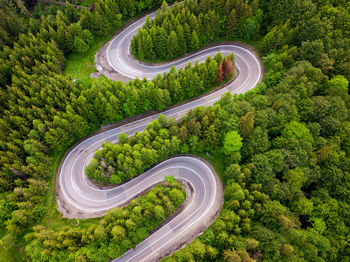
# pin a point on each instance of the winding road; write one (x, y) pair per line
(78, 197)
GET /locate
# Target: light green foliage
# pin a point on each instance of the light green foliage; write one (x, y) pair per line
(319, 225)
(303, 206)
(100, 233)
(338, 85)
(194, 44)
(287, 190)
(232, 142)
(115, 179)
(298, 131)
(212, 71)
(234, 192)
(123, 138)
(159, 211)
(287, 250)
(79, 45)
(118, 231)
(176, 196)
(246, 124)
(295, 178)
(295, 156)
(251, 243)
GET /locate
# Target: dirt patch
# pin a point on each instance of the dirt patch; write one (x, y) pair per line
(95, 75)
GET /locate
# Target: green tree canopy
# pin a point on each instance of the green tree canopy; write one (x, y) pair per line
(232, 142)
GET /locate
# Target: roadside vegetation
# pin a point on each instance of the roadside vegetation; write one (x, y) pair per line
(284, 146)
(177, 86)
(279, 159)
(103, 239)
(79, 66)
(193, 24)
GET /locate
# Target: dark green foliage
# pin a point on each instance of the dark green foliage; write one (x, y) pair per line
(43, 112)
(320, 29)
(161, 140)
(54, 113)
(131, 158)
(290, 171)
(119, 230)
(287, 189)
(193, 24)
(79, 45)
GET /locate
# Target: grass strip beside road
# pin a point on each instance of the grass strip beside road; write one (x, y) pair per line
(80, 66)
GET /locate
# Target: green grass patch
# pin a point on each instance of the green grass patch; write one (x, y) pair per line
(53, 218)
(80, 66)
(51, 194)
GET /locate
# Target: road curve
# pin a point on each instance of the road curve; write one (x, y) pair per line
(78, 197)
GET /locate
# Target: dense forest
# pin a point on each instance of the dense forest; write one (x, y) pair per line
(44, 112)
(285, 145)
(185, 84)
(119, 230)
(286, 148)
(193, 24)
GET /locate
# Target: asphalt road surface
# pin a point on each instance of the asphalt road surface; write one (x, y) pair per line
(78, 197)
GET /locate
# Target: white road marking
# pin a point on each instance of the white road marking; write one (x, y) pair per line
(82, 195)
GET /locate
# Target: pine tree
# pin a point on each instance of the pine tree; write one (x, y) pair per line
(147, 24)
(182, 41)
(212, 71)
(173, 45)
(231, 24)
(213, 29)
(147, 46)
(246, 124)
(140, 52)
(194, 41)
(164, 6)
(79, 45)
(163, 43)
(188, 36)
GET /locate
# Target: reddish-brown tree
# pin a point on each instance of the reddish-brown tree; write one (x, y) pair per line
(228, 68)
(220, 75)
